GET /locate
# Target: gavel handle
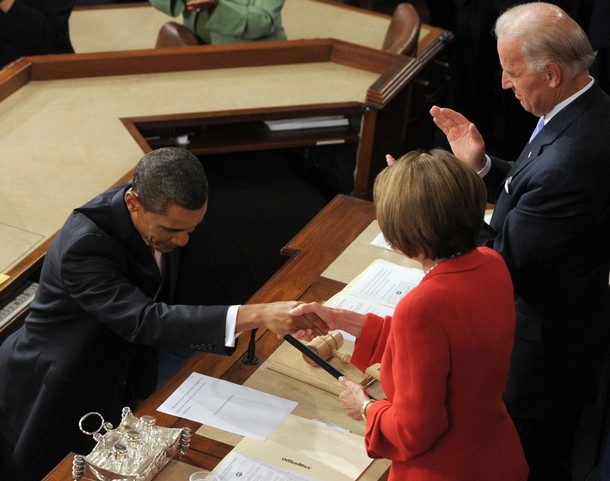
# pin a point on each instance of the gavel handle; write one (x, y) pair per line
(344, 357)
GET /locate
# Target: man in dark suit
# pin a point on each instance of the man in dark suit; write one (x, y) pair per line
(551, 223)
(102, 304)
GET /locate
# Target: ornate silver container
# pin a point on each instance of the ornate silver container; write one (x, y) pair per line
(135, 451)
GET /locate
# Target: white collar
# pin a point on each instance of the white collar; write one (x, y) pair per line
(564, 103)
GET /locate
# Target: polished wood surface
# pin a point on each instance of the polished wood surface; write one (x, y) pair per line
(311, 252)
(285, 80)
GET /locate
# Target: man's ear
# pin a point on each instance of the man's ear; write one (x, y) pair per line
(131, 201)
(554, 74)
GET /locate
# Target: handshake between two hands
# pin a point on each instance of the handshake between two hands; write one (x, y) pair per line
(308, 322)
(317, 320)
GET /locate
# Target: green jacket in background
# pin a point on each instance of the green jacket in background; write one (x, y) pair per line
(233, 21)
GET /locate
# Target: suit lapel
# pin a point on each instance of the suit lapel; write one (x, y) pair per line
(547, 136)
(132, 240)
(554, 128)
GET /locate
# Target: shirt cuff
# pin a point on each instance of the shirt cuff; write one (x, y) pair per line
(485, 170)
(230, 324)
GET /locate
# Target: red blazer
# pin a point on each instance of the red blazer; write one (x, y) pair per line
(445, 356)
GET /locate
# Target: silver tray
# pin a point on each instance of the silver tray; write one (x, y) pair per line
(135, 451)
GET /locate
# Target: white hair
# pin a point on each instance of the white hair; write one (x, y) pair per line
(548, 34)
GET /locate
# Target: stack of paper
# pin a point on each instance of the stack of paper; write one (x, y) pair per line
(300, 449)
(377, 289)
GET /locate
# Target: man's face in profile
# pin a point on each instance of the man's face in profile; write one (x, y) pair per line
(534, 90)
(164, 232)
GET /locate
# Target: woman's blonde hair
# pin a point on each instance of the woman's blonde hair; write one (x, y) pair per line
(429, 203)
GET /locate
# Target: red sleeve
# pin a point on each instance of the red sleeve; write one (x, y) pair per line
(418, 362)
(371, 343)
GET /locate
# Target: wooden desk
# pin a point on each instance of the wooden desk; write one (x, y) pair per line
(75, 124)
(135, 26)
(310, 253)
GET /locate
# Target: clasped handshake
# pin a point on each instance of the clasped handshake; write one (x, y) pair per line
(303, 321)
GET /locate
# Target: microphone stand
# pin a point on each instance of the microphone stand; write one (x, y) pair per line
(250, 356)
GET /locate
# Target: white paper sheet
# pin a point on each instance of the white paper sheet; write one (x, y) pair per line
(228, 406)
(385, 283)
(376, 290)
(300, 449)
(380, 241)
(243, 468)
(359, 305)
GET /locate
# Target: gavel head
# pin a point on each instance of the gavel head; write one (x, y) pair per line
(325, 346)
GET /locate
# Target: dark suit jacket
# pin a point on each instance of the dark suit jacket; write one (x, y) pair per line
(92, 312)
(552, 226)
(35, 27)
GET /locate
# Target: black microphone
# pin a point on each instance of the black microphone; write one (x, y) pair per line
(250, 356)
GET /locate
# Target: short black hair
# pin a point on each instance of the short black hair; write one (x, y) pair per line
(170, 176)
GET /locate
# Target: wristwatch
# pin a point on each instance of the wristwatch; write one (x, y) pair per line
(364, 407)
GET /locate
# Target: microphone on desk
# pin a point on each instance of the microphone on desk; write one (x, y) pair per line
(250, 356)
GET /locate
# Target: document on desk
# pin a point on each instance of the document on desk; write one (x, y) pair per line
(377, 289)
(300, 449)
(239, 467)
(228, 406)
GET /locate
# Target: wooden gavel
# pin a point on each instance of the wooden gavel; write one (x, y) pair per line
(327, 347)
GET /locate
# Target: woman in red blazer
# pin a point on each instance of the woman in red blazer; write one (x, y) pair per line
(445, 353)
